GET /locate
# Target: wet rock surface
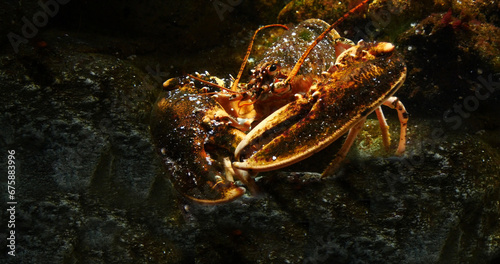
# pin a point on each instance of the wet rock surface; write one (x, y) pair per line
(75, 107)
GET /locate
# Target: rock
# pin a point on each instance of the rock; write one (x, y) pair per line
(370, 22)
(77, 121)
(464, 50)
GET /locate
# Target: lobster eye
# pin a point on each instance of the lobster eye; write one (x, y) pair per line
(273, 67)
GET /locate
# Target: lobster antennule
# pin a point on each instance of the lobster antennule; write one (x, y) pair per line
(249, 50)
(209, 83)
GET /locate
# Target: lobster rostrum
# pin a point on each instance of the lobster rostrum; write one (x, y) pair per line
(298, 100)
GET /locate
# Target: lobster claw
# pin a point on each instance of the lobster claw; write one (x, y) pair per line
(196, 145)
(365, 76)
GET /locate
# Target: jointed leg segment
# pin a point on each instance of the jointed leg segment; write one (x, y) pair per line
(340, 156)
(386, 136)
(392, 102)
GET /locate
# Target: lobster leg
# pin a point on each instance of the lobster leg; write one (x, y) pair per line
(244, 176)
(394, 103)
(340, 156)
(386, 136)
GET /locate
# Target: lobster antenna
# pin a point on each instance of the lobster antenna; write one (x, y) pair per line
(236, 81)
(299, 63)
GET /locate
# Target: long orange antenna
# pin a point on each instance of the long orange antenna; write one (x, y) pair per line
(242, 68)
(299, 63)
